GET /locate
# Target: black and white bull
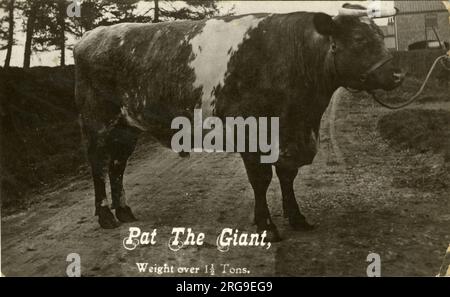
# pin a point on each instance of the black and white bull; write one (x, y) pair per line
(136, 77)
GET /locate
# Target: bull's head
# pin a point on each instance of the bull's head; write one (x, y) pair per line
(358, 53)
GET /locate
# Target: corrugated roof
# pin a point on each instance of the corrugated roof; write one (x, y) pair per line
(419, 6)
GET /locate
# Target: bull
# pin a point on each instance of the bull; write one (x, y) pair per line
(132, 78)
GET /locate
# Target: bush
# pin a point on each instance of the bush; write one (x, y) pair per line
(40, 137)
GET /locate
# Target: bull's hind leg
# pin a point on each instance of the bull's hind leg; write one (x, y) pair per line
(98, 157)
(122, 143)
(260, 176)
(297, 220)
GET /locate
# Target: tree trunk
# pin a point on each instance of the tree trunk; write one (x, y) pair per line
(30, 32)
(156, 14)
(62, 30)
(10, 33)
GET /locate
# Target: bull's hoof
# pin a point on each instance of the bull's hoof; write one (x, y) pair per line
(125, 215)
(272, 234)
(299, 223)
(106, 218)
(184, 154)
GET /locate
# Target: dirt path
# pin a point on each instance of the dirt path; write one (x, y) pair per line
(348, 192)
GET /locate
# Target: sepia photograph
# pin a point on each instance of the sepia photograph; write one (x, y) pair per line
(207, 138)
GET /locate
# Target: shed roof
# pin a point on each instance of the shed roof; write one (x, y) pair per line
(407, 7)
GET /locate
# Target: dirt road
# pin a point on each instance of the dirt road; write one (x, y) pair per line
(349, 191)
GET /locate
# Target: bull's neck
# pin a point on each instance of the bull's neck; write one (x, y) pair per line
(330, 73)
(321, 70)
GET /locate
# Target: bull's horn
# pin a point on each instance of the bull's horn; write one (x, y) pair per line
(382, 13)
(374, 13)
(352, 12)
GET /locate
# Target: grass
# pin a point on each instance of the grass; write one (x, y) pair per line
(419, 130)
(425, 134)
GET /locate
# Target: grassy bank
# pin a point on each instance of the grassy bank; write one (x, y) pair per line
(40, 137)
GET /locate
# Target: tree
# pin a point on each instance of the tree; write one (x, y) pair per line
(107, 12)
(47, 22)
(31, 13)
(50, 27)
(10, 36)
(91, 12)
(46, 32)
(96, 13)
(61, 20)
(192, 10)
(156, 12)
(121, 11)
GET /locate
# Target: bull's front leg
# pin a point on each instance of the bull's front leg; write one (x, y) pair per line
(260, 176)
(291, 125)
(297, 220)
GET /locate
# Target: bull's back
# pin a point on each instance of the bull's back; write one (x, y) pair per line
(140, 67)
(158, 71)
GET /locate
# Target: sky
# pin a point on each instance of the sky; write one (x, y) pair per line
(51, 58)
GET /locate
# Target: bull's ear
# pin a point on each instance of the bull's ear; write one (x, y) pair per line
(324, 24)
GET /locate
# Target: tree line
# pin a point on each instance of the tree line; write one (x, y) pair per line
(46, 23)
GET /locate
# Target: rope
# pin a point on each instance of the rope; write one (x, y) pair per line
(414, 97)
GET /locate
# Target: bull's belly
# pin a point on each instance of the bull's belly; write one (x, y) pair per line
(159, 122)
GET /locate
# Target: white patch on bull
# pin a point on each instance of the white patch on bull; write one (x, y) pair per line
(212, 49)
(130, 121)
